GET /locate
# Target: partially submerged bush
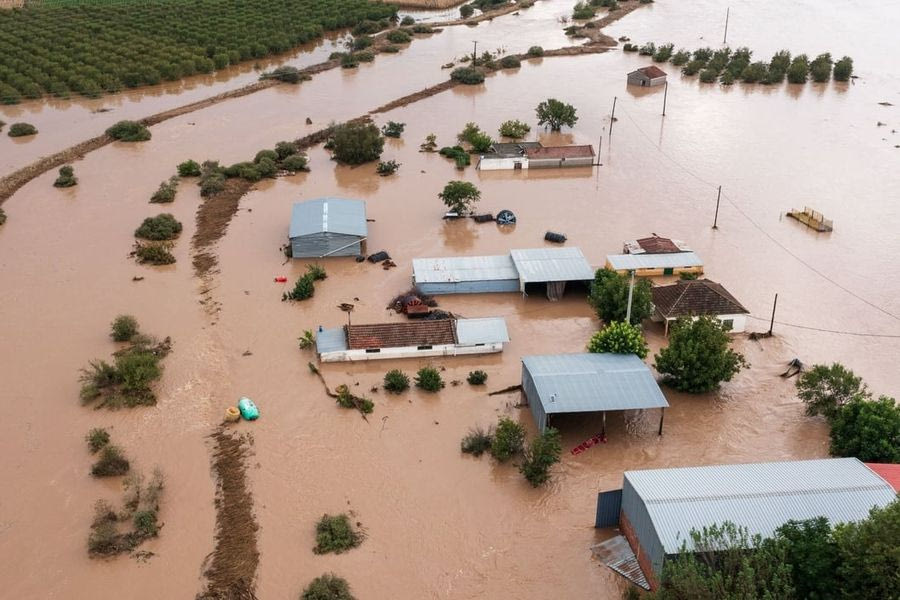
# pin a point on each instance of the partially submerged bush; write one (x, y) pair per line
(307, 340)
(284, 149)
(212, 178)
(393, 129)
(477, 377)
(514, 129)
(123, 328)
(346, 399)
(287, 74)
(66, 177)
(466, 11)
(2, 216)
(843, 69)
(458, 154)
(583, 11)
(420, 28)
(481, 143)
(303, 289)
(189, 168)
(429, 379)
(163, 226)
(349, 61)
(295, 162)
(21, 130)
(619, 338)
(535, 51)
(166, 191)
(141, 510)
(317, 272)
(112, 463)
(334, 533)
(407, 20)
(385, 168)
(154, 253)
(356, 143)
(460, 196)
(510, 62)
(399, 36)
(97, 439)
(542, 453)
(129, 131)
(467, 75)
(396, 381)
(127, 381)
(477, 441)
(327, 587)
(509, 439)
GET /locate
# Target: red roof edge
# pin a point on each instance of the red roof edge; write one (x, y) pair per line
(888, 472)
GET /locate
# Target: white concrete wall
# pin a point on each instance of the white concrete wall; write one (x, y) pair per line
(409, 352)
(738, 325)
(487, 163)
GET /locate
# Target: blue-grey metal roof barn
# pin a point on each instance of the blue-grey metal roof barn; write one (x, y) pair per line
(328, 227)
(657, 509)
(580, 383)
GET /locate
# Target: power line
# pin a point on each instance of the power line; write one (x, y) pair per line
(760, 228)
(835, 331)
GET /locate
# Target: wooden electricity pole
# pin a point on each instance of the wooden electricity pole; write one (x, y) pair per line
(716, 218)
(772, 322)
(727, 13)
(612, 119)
(665, 96)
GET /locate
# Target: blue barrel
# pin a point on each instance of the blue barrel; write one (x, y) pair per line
(248, 409)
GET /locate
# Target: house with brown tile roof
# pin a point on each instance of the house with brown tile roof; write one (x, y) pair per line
(695, 298)
(647, 76)
(654, 244)
(411, 339)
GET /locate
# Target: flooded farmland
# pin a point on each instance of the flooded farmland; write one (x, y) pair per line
(439, 524)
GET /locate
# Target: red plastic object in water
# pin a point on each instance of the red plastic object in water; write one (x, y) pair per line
(281, 279)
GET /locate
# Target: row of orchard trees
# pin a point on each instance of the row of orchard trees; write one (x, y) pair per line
(90, 49)
(727, 66)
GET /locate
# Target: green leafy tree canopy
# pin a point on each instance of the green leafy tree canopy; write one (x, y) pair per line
(825, 389)
(620, 338)
(698, 357)
(555, 114)
(609, 297)
(460, 196)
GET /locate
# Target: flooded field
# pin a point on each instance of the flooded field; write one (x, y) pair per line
(439, 524)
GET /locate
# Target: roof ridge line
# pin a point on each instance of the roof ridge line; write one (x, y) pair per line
(686, 499)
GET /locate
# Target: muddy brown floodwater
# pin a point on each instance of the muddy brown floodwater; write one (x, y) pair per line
(439, 524)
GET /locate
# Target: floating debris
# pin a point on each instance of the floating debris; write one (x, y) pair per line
(812, 219)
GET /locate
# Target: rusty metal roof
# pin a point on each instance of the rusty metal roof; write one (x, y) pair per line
(401, 334)
(560, 152)
(658, 245)
(693, 298)
(652, 72)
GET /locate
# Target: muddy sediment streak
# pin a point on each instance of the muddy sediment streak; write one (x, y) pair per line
(213, 217)
(231, 574)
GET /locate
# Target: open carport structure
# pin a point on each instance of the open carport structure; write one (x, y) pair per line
(588, 383)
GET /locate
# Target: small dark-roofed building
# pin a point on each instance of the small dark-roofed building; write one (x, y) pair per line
(509, 149)
(654, 245)
(328, 227)
(647, 76)
(560, 156)
(698, 297)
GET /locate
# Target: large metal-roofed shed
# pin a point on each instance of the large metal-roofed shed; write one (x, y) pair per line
(551, 266)
(465, 275)
(660, 507)
(582, 383)
(645, 265)
(328, 227)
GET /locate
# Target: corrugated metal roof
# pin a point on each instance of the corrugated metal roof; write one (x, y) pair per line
(557, 152)
(334, 215)
(551, 264)
(629, 262)
(760, 496)
(481, 331)
(463, 268)
(568, 383)
(331, 340)
(401, 334)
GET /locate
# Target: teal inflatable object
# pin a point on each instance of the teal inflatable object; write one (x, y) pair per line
(248, 409)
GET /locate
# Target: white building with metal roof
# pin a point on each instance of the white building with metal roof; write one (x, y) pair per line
(657, 509)
(328, 227)
(646, 265)
(553, 267)
(588, 383)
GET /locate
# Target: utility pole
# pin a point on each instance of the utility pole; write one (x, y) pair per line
(630, 295)
(716, 218)
(475, 54)
(772, 322)
(599, 149)
(665, 96)
(727, 13)
(612, 119)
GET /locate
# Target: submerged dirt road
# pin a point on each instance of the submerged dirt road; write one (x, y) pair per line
(439, 524)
